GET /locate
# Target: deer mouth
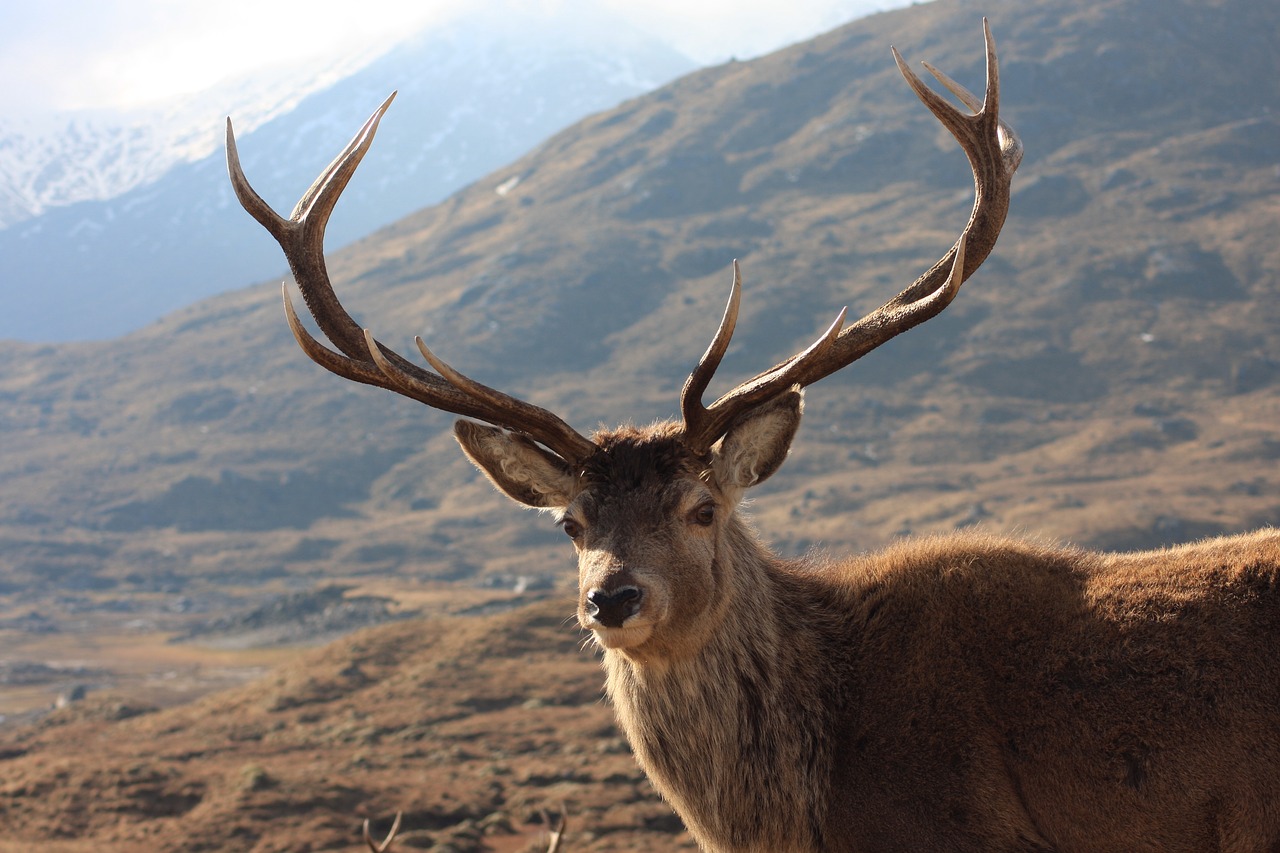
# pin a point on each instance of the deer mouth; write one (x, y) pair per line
(626, 637)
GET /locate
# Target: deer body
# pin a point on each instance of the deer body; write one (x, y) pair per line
(952, 694)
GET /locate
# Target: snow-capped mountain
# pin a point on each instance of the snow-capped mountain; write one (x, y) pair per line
(56, 159)
(152, 224)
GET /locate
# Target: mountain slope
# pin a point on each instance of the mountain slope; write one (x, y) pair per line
(473, 95)
(514, 727)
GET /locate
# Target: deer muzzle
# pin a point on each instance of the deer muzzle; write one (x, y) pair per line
(611, 607)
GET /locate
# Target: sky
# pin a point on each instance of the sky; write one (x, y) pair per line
(112, 54)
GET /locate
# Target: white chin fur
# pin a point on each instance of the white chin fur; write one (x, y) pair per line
(621, 638)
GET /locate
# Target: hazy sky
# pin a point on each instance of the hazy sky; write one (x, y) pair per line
(64, 54)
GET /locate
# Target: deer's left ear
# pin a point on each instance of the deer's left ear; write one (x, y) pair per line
(516, 465)
(757, 442)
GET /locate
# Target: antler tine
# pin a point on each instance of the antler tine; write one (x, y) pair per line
(361, 357)
(536, 422)
(321, 197)
(301, 236)
(966, 97)
(1010, 144)
(710, 422)
(248, 197)
(695, 386)
(380, 371)
(994, 152)
(347, 368)
(385, 844)
(555, 831)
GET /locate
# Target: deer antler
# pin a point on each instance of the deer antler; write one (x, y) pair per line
(555, 831)
(385, 844)
(362, 358)
(994, 152)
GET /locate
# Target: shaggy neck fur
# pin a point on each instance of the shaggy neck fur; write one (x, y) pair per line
(715, 730)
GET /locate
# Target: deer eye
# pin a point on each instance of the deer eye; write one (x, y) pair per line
(571, 528)
(704, 515)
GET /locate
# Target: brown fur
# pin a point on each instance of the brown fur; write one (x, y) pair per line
(961, 693)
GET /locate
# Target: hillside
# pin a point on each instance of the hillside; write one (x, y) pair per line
(513, 727)
(1111, 377)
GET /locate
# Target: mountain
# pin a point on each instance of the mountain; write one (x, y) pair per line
(110, 226)
(62, 158)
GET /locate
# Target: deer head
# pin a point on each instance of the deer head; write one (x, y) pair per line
(651, 512)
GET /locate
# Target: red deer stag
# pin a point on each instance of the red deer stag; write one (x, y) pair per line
(961, 693)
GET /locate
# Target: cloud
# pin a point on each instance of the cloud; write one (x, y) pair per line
(122, 53)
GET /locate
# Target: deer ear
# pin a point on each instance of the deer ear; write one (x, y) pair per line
(757, 442)
(516, 465)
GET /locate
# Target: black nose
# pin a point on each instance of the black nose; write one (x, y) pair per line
(611, 609)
